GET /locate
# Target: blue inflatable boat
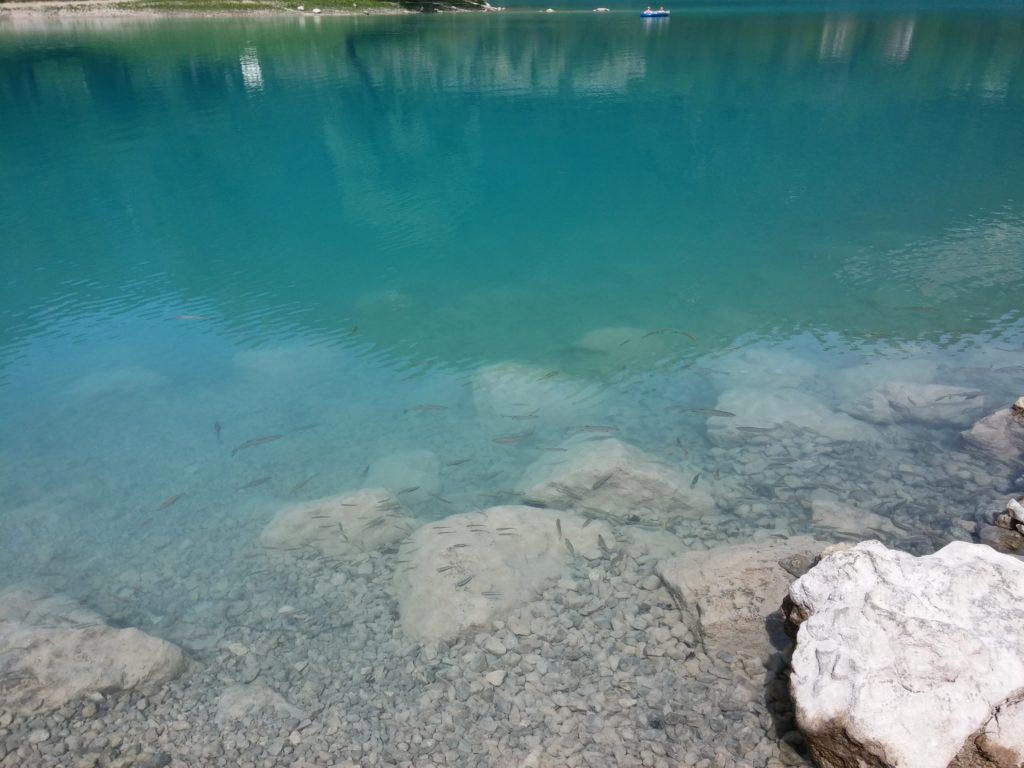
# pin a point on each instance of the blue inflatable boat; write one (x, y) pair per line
(654, 14)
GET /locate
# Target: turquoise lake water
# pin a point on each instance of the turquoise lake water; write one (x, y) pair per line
(328, 231)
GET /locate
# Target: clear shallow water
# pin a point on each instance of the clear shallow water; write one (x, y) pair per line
(315, 228)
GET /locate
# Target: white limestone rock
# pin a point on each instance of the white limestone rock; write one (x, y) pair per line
(469, 569)
(54, 650)
(908, 661)
(836, 517)
(505, 393)
(342, 525)
(770, 414)
(731, 595)
(612, 479)
(1001, 434)
(931, 404)
(253, 702)
(414, 475)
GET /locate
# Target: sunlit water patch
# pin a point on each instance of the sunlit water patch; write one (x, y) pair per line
(735, 279)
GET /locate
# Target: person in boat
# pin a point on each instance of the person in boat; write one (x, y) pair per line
(648, 9)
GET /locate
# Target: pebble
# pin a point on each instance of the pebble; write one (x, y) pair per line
(496, 678)
(495, 647)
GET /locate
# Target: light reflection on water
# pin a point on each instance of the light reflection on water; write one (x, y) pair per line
(221, 231)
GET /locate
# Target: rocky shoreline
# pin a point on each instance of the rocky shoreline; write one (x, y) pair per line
(606, 614)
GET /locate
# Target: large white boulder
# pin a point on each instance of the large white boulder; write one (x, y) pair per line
(53, 650)
(612, 479)
(771, 413)
(731, 594)
(908, 661)
(413, 476)
(929, 404)
(1000, 434)
(468, 569)
(340, 525)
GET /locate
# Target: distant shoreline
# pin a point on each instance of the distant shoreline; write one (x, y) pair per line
(170, 9)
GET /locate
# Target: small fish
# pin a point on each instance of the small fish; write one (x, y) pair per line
(523, 416)
(463, 582)
(510, 439)
(216, 431)
(427, 408)
(601, 481)
(410, 489)
(444, 568)
(716, 412)
(457, 462)
(375, 523)
(506, 528)
(354, 330)
(458, 546)
(255, 483)
(300, 485)
(558, 526)
(601, 543)
(570, 547)
(660, 331)
(696, 478)
(754, 429)
(256, 441)
(597, 428)
(170, 501)
(587, 522)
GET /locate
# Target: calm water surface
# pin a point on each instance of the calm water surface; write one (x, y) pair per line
(218, 230)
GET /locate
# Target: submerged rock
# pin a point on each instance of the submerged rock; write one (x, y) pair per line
(1001, 434)
(771, 368)
(612, 479)
(340, 525)
(616, 345)
(506, 392)
(731, 594)
(254, 701)
(770, 413)
(468, 569)
(836, 517)
(53, 650)
(413, 475)
(931, 404)
(909, 661)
